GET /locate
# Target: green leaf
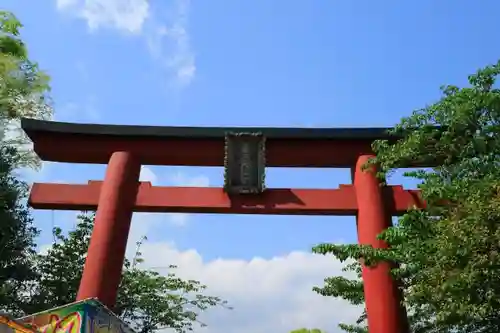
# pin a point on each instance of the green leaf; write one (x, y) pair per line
(446, 257)
(147, 300)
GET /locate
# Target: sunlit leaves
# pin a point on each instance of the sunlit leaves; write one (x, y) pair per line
(305, 330)
(147, 300)
(23, 91)
(23, 88)
(17, 234)
(448, 254)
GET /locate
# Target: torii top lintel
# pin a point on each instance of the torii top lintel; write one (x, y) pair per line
(197, 146)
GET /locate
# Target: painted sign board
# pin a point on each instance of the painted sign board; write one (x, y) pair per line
(88, 316)
(9, 325)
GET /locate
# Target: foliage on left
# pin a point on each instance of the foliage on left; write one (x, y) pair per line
(23, 93)
(147, 300)
(24, 90)
(17, 235)
(31, 282)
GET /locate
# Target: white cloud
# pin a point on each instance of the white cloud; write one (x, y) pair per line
(13, 135)
(10, 131)
(81, 69)
(30, 175)
(124, 15)
(170, 44)
(64, 4)
(180, 179)
(168, 39)
(268, 295)
(85, 111)
(178, 219)
(147, 175)
(177, 179)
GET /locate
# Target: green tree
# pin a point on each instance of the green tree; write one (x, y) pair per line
(24, 89)
(17, 234)
(147, 300)
(23, 93)
(448, 253)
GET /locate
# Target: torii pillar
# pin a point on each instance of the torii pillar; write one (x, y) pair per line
(104, 264)
(125, 148)
(382, 297)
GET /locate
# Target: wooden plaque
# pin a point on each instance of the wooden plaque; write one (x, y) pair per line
(244, 163)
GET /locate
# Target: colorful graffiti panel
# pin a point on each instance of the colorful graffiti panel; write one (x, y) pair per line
(8, 325)
(66, 319)
(87, 316)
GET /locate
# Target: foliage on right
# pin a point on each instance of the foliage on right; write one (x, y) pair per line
(449, 253)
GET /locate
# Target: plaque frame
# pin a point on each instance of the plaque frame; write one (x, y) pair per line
(229, 144)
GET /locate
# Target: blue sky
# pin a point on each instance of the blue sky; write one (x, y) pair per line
(263, 63)
(244, 63)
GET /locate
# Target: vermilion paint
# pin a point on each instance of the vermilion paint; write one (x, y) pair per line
(121, 193)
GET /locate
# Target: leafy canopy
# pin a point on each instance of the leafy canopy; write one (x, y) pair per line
(30, 283)
(24, 89)
(147, 300)
(17, 233)
(23, 92)
(448, 253)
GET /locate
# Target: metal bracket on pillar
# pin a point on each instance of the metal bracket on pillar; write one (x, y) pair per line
(244, 163)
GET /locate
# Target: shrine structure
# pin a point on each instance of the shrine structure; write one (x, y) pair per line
(245, 153)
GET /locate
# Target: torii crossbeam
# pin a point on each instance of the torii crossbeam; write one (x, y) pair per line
(125, 148)
(166, 199)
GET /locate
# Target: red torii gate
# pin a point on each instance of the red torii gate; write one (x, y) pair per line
(125, 148)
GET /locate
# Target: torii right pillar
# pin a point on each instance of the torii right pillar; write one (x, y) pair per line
(385, 311)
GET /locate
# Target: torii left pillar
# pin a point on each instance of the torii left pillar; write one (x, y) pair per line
(106, 253)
